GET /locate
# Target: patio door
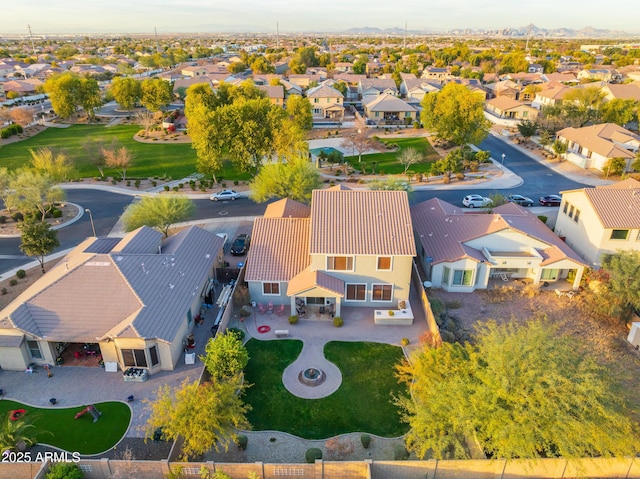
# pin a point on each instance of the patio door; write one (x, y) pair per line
(549, 274)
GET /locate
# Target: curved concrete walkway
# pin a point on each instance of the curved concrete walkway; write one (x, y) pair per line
(312, 356)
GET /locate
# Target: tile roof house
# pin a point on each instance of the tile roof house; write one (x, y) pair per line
(593, 146)
(387, 109)
(350, 248)
(550, 96)
(463, 251)
(275, 93)
(601, 220)
(508, 108)
(326, 102)
(623, 91)
(135, 297)
(376, 86)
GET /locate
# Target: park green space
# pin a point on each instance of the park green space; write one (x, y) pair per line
(162, 159)
(387, 162)
(363, 403)
(58, 426)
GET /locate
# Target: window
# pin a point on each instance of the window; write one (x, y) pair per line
(340, 263)
(564, 209)
(619, 234)
(577, 215)
(638, 237)
(445, 275)
(134, 358)
(381, 292)
(315, 100)
(462, 277)
(384, 263)
(356, 292)
(153, 354)
(34, 349)
(271, 288)
(312, 300)
(571, 212)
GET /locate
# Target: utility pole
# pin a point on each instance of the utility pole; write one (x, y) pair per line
(277, 35)
(405, 36)
(157, 44)
(33, 47)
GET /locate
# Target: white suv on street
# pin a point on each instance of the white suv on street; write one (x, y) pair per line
(476, 201)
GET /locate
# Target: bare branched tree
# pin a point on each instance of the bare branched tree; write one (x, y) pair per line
(409, 157)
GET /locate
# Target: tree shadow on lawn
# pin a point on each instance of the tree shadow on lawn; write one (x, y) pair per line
(363, 403)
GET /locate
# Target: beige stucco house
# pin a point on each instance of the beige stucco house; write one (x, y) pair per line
(601, 220)
(463, 251)
(387, 109)
(508, 108)
(593, 146)
(326, 102)
(134, 297)
(350, 248)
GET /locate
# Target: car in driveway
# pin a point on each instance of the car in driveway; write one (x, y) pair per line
(240, 245)
(476, 201)
(550, 200)
(520, 200)
(225, 195)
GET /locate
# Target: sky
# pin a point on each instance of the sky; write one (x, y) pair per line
(174, 16)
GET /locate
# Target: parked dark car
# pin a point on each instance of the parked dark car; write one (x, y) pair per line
(550, 200)
(520, 200)
(240, 245)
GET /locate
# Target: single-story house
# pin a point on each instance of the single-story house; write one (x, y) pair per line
(388, 109)
(505, 107)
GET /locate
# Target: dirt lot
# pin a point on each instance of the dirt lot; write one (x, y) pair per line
(605, 338)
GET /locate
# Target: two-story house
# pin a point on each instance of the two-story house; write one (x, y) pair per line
(350, 248)
(601, 220)
(326, 102)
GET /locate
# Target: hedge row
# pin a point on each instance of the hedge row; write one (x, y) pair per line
(10, 131)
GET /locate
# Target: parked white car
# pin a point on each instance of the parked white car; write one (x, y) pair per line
(476, 201)
(224, 195)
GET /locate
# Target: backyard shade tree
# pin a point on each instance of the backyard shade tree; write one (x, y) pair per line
(225, 356)
(621, 292)
(159, 212)
(155, 93)
(456, 114)
(126, 91)
(522, 390)
(63, 93)
(206, 415)
(37, 239)
(295, 179)
(527, 128)
(89, 96)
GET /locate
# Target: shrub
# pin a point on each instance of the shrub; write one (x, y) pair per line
(224, 185)
(175, 188)
(238, 332)
(17, 216)
(154, 183)
(543, 218)
(337, 322)
(13, 282)
(293, 319)
(128, 182)
(405, 341)
(3, 291)
(3, 219)
(242, 442)
(180, 185)
(391, 313)
(166, 188)
(137, 183)
(64, 470)
(21, 274)
(460, 176)
(453, 304)
(365, 439)
(400, 452)
(235, 182)
(56, 213)
(312, 455)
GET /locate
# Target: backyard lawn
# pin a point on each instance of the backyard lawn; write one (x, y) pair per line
(363, 403)
(82, 434)
(387, 162)
(158, 159)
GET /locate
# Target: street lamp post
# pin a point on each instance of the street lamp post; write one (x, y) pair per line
(93, 227)
(359, 150)
(503, 155)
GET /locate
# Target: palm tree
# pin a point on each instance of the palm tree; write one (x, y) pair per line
(17, 434)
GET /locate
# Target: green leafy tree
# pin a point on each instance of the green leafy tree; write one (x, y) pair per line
(545, 137)
(63, 91)
(295, 179)
(37, 239)
(237, 67)
(225, 356)
(450, 164)
(34, 191)
(635, 166)
(621, 292)
(527, 128)
(619, 111)
(6, 177)
(159, 212)
(299, 110)
(89, 96)
(514, 62)
(559, 147)
(57, 165)
(206, 416)
(126, 91)
(581, 105)
(521, 390)
(262, 66)
(456, 114)
(155, 93)
(64, 470)
(615, 166)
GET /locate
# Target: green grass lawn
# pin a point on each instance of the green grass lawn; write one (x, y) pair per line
(387, 162)
(157, 159)
(362, 403)
(82, 434)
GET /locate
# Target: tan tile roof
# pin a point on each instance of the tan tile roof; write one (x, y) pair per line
(279, 249)
(359, 222)
(616, 205)
(444, 229)
(387, 103)
(556, 93)
(324, 91)
(272, 91)
(378, 83)
(597, 138)
(309, 279)
(287, 208)
(504, 103)
(629, 91)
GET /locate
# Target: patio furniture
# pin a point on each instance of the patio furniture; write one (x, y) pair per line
(261, 308)
(280, 310)
(282, 333)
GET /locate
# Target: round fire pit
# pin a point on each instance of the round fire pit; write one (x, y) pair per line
(312, 377)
